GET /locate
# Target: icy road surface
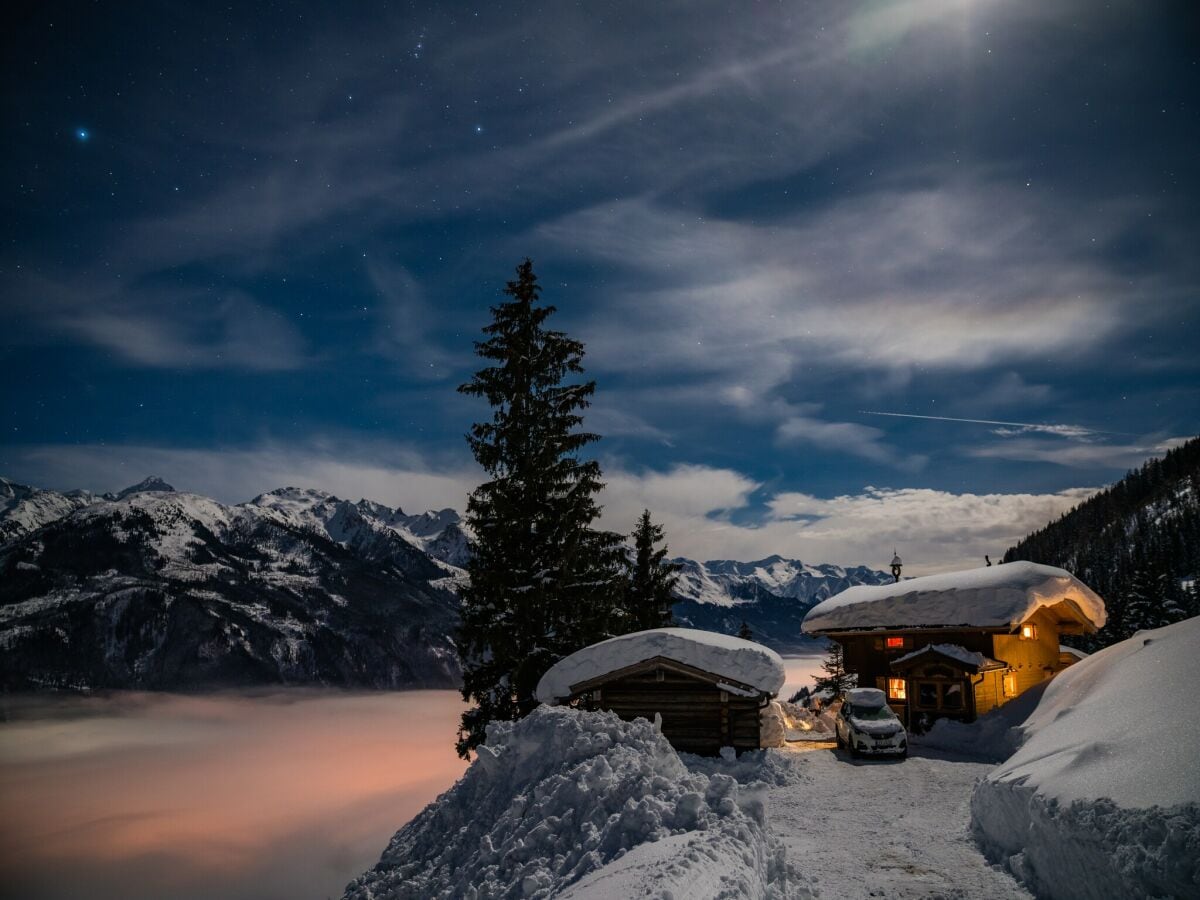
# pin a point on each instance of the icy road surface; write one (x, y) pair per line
(882, 828)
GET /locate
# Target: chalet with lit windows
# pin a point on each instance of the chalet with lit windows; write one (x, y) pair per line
(959, 644)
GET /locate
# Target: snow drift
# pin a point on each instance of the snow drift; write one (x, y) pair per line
(993, 737)
(989, 597)
(733, 658)
(564, 795)
(1103, 798)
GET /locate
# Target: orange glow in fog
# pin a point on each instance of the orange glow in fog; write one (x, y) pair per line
(290, 794)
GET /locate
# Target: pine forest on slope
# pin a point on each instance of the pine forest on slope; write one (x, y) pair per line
(1136, 543)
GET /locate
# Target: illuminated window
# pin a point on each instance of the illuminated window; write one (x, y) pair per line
(895, 643)
(896, 689)
(1029, 632)
(1010, 684)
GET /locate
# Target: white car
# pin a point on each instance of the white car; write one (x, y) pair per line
(866, 725)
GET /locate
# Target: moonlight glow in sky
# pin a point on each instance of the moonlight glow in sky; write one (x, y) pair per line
(266, 257)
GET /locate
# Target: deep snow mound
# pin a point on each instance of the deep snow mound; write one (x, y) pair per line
(993, 737)
(563, 793)
(1103, 798)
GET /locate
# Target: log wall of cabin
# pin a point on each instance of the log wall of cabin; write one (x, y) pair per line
(870, 664)
(1033, 660)
(697, 717)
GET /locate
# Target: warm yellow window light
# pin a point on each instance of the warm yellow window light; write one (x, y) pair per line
(896, 689)
(894, 642)
(1010, 684)
(1029, 632)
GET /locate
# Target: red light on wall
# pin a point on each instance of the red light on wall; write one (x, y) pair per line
(895, 643)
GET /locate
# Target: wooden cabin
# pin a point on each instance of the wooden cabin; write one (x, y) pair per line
(707, 690)
(960, 644)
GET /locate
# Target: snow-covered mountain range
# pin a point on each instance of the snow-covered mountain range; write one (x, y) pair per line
(158, 589)
(165, 590)
(770, 595)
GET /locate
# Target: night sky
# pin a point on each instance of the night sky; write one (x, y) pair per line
(250, 247)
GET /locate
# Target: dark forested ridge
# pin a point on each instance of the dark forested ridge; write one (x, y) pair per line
(1137, 543)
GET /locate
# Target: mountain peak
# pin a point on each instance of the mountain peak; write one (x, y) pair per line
(152, 483)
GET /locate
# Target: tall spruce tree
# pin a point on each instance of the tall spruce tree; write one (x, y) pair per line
(651, 580)
(543, 582)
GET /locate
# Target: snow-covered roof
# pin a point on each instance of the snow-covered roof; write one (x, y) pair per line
(989, 597)
(1073, 651)
(733, 659)
(957, 652)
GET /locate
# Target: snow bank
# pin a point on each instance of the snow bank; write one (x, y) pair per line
(993, 596)
(563, 794)
(1103, 798)
(730, 657)
(772, 727)
(993, 737)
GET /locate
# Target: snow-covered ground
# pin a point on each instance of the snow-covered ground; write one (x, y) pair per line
(856, 829)
(582, 805)
(562, 796)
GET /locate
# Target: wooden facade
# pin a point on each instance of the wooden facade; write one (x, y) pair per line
(933, 686)
(701, 711)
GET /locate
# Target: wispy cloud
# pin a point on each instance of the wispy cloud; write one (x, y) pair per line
(709, 512)
(934, 530)
(955, 278)
(164, 327)
(397, 474)
(851, 438)
(1006, 429)
(409, 323)
(1115, 457)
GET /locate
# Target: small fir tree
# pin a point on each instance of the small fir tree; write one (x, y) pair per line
(744, 632)
(543, 582)
(835, 678)
(651, 579)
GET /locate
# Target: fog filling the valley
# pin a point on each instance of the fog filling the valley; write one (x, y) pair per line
(254, 795)
(281, 795)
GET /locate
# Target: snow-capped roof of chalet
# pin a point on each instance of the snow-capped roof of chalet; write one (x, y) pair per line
(960, 654)
(989, 597)
(731, 658)
(1073, 651)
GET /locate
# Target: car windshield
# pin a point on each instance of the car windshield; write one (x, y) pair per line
(872, 713)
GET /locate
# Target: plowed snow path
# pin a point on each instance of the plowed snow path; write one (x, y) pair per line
(875, 828)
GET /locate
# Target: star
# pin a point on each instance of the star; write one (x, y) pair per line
(82, 134)
(479, 129)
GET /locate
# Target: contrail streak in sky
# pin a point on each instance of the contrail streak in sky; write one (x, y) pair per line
(1062, 430)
